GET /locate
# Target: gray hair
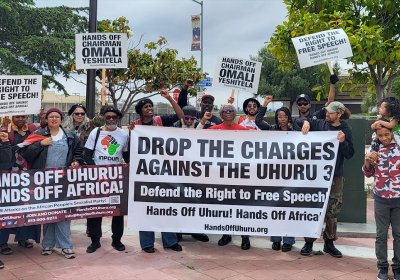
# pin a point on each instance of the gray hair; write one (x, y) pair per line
(227, 106)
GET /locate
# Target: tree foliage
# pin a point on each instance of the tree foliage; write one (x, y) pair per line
(150, 70)
(38, 41)
(371, 25)
(313, 81)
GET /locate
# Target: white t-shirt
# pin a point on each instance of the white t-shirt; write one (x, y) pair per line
(109, 146)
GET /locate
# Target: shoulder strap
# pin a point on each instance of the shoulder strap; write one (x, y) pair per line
(97, 138)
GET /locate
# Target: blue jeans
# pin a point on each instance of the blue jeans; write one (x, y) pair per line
(147, 239)
(57, 234)
(286, 239)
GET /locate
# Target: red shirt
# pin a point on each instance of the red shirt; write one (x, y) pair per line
(223, 126)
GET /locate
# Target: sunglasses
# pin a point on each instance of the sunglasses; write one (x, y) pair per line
(190, 118)
(252, 106)
(302, 104)
(79, 114)
(228, 111)
(115, 117)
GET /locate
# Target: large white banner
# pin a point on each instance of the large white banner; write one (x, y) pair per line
(321, 47)
(238, 73)
(101, 50)
(20, 95)
(230, 182)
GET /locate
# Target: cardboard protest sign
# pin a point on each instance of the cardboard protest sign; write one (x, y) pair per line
(101, 50)
(245, 182)
(46, 196)
(238, 73)
(20, 95)
(321, 47)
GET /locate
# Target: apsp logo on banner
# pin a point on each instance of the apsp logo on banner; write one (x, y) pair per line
(101, 50)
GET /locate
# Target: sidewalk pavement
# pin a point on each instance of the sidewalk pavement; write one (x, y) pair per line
(198, 260)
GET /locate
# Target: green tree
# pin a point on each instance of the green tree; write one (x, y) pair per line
(149, 70)
(371, 25)
(313, 81)
(38, 41)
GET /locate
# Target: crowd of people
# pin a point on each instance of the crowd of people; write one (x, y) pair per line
(75, 140)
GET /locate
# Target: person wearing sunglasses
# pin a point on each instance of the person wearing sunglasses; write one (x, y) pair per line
(107, 145)
(77, 121)
(250, 108)
(228, 114)
(206, 106)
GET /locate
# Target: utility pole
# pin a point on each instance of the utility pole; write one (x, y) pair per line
(201, 33)
(91, 73)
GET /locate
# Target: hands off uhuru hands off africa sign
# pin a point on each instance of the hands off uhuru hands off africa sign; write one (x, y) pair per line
(321, 47)
(238, 73)
(101, 50)
(20, 95)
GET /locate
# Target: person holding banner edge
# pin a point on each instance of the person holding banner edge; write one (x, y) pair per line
(58, 148)
(107, 145)
(5, 159)
(336, 113)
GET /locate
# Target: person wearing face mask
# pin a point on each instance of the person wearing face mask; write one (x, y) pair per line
(107, 145)
(206, 106)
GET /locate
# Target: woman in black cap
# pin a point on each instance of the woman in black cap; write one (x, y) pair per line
(77, 121)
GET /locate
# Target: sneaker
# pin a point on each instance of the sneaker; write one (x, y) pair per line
(396, 274)
(68, 253)
(382, 273)
(307, 249)
(5, 249)
(1, 265)
(47, 251)
(25, 244)
(176, 247)
(93, 247)
(245, 243)
(201, 237)
(117, 245)
(286, 247)
(276, 246)
(225, 239)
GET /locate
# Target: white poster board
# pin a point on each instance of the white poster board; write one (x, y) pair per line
(238, 73)
(318, 48)
(271, 183)
(20, 95)
(101, 50)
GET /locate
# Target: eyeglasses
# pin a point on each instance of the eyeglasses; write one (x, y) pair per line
(114, 117)
(189, 118)
(228, 111)
(302, 104)
(79, 114)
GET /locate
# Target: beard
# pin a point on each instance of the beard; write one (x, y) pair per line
(111, 126)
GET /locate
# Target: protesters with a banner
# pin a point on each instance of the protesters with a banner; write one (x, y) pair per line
(383, 166)
(76, 121)
(57, 148)
(206, 105)
(107, 145)
(336, 113)
(144, 108)
(190, 121)
(5, 159)
(19, 130)
(228, 114)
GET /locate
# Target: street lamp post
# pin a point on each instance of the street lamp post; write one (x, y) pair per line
(201, 33)
(91, 73)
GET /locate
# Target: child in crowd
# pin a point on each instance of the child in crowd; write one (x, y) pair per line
(384, 166)
(389, 109)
